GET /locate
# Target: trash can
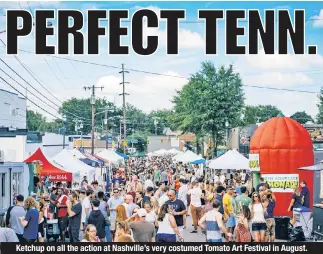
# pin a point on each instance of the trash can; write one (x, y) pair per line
(281, 229)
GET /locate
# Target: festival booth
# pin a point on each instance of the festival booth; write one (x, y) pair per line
(126, 157)
(232, 159)
(49, 168)
(93, 162)
(109, 156)
(79, 169)
(283, 145)
(173, 151)
(187, 157)
(160, 153)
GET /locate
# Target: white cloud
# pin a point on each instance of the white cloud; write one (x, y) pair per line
(281, 71)
(278, 79)
(187, 39)
(279, 62)
(318, 20)
(147, 92)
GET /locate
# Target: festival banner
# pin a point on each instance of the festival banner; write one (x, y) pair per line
(282, 182)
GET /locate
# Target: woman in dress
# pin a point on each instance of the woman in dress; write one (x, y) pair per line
(242, 229)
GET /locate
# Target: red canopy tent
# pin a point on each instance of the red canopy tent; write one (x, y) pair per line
(48, 168)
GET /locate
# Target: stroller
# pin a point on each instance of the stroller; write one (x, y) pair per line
(52, 230)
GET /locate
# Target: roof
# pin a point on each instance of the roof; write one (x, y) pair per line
(48, 168)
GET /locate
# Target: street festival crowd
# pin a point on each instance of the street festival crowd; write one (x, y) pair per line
(149, 200)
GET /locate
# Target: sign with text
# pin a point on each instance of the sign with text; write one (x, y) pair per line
(282, 182)
(254, 164)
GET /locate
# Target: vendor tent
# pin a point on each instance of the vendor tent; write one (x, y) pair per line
(188, 157)
(49, 168)
(173, 151)
(109, 156)
(200, 161)
(126, 157)
(72, 164)
(230, 160)
(160, 152)
(93, 162)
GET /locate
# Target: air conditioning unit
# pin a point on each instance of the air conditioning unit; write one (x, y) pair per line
(1, 156)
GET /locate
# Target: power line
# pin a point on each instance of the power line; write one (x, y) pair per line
(181, 77)
(29, 99)
(33, 76)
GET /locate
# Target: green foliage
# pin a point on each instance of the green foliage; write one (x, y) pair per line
(37, 122)
(302, 117)
(258, 114)
(210, 99)
(319, 116)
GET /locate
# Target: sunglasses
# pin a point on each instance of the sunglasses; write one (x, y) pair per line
(255, 196)
(116, 192)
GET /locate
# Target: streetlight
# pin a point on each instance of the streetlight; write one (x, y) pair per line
(49, 24)
(227, 132)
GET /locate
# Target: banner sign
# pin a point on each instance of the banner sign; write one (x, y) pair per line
(254, 164)
(282, 182)
(160, 248)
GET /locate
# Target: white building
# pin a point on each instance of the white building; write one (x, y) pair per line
(13, 110)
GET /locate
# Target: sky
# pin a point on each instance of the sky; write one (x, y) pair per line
(147, 91)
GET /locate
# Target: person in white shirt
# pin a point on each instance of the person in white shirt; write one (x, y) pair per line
(222, 178)
(148, 183)
(182, 195)
(216, 177)
(86, 207)
(196, 206)
(162, 200)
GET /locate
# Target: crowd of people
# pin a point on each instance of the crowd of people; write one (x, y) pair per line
(148, 201)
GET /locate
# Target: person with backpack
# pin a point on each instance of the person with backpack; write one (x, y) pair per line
(12, 218)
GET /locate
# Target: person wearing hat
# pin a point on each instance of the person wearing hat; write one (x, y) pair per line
(228, 209)
(143, 231)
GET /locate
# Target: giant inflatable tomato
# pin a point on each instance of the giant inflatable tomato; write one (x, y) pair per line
(283, 146)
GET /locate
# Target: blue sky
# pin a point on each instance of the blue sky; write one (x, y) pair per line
(148, 91)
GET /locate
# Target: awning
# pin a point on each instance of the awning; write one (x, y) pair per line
(55, 173)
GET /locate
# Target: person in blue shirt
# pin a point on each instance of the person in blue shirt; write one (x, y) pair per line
(305, 193)
(30, 221)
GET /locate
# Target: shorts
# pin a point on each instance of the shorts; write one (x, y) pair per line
(270, 227)
(170, 238)
(63, 223)
(231, 223)
(259, 227)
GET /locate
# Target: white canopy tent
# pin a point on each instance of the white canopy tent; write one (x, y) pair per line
(160, 152)
(111, 156)
(187, 157)
(173, 151)
(71, 164)
(77, 154)
(230, 160)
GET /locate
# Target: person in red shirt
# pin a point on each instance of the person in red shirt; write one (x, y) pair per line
(177, 184)
(62, 213)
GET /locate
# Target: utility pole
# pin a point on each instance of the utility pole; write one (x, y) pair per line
(123, 83)
(93, 110)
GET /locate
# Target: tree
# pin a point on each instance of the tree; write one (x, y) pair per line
(81, 110)
(302, 117)
(211, 98)
(259, 114)
(163, 117)
(319, 116)
(35, 121)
